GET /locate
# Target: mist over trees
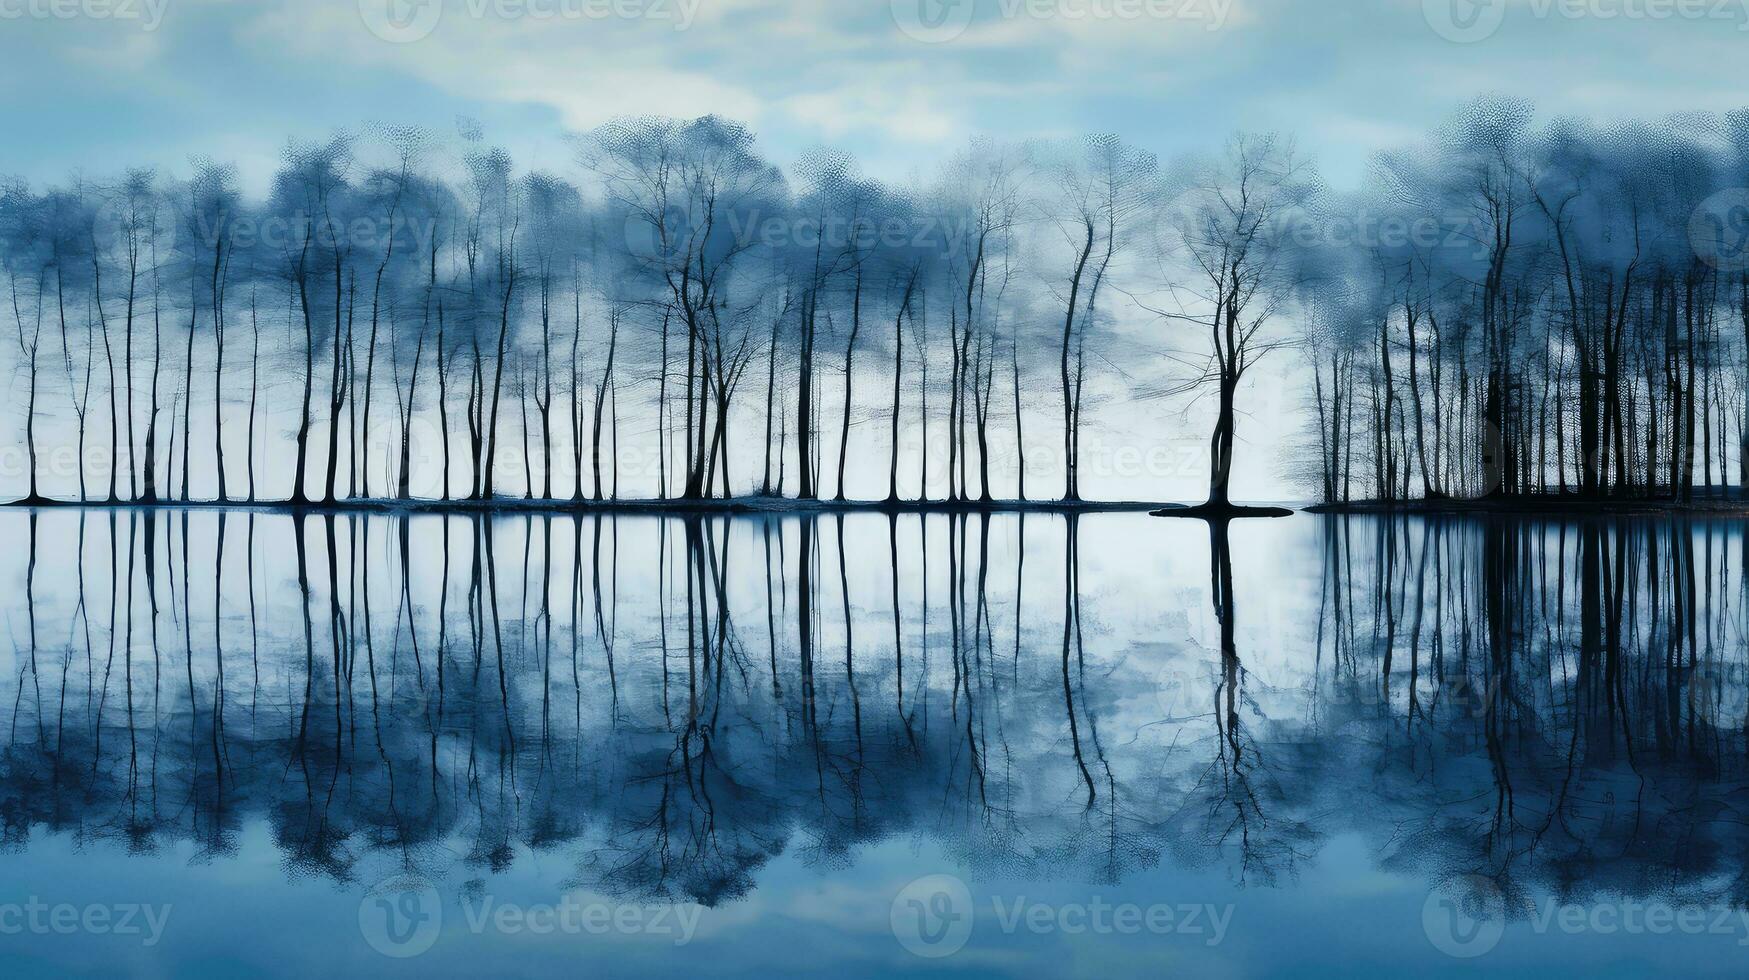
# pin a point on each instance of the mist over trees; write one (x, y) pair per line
(1509, 307)
(1546, 308)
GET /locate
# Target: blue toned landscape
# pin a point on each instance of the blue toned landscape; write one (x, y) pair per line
(845, 488)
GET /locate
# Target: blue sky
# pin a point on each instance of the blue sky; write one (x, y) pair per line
(97, 84)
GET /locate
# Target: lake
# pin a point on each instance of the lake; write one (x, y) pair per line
(247, 743)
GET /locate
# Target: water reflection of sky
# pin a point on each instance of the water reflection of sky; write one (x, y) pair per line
(1340, 917)
(1189, 752)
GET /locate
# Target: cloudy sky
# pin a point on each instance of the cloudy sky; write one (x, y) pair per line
(898, 82)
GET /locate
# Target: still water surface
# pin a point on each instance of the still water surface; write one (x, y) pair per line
(253, 744)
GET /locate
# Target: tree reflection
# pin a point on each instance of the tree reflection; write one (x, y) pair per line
(670, 703)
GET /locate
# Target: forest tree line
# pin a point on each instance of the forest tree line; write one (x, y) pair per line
(1509, 306)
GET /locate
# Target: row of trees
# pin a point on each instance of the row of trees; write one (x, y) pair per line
(675, 288)
(1553, 308)
(435, 317)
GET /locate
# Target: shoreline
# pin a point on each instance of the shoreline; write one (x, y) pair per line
(749, 506)
(1711, 506)
(1550, 506)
